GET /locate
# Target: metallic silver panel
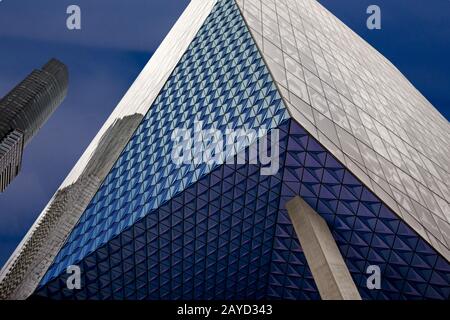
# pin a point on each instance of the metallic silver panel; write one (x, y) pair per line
(359, 106)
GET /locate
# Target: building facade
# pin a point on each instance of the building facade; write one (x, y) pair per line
(360, 150)
(24, 110)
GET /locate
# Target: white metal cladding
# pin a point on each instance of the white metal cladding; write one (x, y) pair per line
(359, 106)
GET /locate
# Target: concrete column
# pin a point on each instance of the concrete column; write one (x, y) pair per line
(324, 258)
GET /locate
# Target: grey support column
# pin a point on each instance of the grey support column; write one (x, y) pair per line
(324, 259)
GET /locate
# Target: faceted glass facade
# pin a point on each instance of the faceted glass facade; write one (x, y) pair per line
(222, 81)
(228, 236)
(156, 231)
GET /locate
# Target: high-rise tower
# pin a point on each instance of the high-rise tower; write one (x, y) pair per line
(363, 175)
(24, 110)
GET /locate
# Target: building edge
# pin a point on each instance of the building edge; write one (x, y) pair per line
(347, 162)
(23, 271)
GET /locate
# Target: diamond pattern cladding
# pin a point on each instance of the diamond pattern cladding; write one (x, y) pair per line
(228, 236)
(222, 81)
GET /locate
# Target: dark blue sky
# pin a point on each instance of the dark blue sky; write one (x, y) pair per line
(118, 38)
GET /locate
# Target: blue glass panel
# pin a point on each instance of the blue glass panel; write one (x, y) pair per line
(222, 81)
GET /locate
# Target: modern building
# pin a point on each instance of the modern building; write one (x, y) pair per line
(24, 111)
(362, 186)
